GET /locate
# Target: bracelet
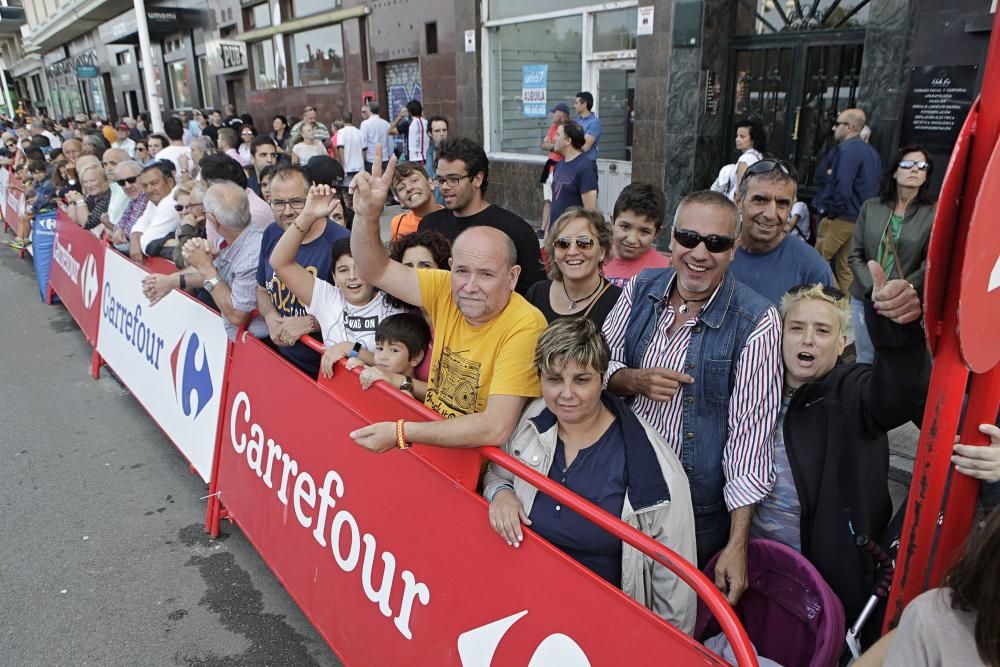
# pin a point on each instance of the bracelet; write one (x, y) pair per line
(296, 225)
(500, 488)
(182, 281)
(401, 442)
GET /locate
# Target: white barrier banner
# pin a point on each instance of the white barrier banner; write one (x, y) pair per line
(171, 356)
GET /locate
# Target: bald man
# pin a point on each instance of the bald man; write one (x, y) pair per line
(484, 332)
(119, 200)
(855, 170)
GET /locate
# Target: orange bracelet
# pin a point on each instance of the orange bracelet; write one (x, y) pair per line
(401, 442)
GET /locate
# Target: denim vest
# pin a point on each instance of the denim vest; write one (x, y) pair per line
(714, 348)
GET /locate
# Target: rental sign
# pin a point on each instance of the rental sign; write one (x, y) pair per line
(171, 356)
(392, 561)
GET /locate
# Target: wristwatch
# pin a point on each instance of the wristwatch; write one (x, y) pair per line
(210, 284)
(407, 384)
(354, 352)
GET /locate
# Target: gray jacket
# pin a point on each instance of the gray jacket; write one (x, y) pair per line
(669, 521)
(914, 236)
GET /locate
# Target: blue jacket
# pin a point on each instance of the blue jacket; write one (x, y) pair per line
(714, 348)
(856, 171)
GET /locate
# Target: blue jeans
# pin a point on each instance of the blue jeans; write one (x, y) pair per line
(863, 348)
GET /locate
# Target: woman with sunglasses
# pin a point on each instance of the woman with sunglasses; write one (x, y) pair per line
(830, 443)
(893, 229)
(189, 197)
(576, 247)
(142, 155)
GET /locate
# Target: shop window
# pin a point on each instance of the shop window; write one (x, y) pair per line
(317, 56)
(506, 9)
(615, 31)
(260, 16)
(306, 7)
(206, 93)
(540, 60)
(264, 73)
(180, 84)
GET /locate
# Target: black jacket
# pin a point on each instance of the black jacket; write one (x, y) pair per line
(835, 435)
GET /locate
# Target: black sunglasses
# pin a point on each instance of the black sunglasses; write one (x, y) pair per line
(767, 166)
(910, 164)
(129, 181)
(582, 242)
(713, 242)
(829, 292)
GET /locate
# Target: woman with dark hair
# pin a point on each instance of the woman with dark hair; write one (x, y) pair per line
(280, 133)
(751, 142)
(64, 178)
(893, 229)
(247, 135)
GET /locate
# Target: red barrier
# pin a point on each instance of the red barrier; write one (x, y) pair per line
(13, 207)
(76, 276)
(446, 590)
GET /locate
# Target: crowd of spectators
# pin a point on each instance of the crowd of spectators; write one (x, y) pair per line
(699, 396)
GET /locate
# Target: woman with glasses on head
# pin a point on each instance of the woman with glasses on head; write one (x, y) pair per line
(830, 443)
(247, 135)
(893, 229)
(189, 205)
(588, 440)
(576, 247)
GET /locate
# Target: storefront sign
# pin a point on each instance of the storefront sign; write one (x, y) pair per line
(936, 105)
(86, 72)
(232, 56)
(534, 90)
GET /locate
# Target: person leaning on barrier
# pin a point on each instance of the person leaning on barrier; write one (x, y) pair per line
(190, 197)
(229, 274)
(699, 356)
(831, 449)
(590, 442)
(483, 330)
(87, 209)
(128, 180)
(160, 220)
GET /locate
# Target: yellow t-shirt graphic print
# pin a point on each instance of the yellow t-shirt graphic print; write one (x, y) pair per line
(471, 363)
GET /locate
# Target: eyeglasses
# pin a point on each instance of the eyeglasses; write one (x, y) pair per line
(184, 207)
(247, 134)
(582, 242)
(767, 166)
(831, 293)
(278, 205)
(713, 242)
(141, 148)
(122, 182)
(451, 179)
(910, 164)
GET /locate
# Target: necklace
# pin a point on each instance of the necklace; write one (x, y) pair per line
(684, 302)
(572, 301)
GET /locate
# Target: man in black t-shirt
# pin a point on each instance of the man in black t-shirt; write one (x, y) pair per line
(463, 174)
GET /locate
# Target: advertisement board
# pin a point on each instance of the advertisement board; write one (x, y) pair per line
(171, 356)
(76, 273)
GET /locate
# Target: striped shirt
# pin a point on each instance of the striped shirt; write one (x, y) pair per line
(747, 458)
(237, 267)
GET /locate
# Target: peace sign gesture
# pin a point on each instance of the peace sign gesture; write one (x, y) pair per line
(370, 191)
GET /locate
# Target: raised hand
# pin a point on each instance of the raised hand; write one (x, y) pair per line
(896, 299)
(320, 202)
(369, 191)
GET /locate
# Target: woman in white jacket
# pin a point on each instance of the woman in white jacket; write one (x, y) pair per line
(592, 443)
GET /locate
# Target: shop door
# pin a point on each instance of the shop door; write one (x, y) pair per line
(615, 105)
(796, 87)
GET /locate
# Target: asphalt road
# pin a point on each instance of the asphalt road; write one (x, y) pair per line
(103, 558)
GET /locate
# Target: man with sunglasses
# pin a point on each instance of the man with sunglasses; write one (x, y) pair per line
(830, 444)
(854, 174)
(127, 174)
(463, 172)
(768, 259)
(698, 355)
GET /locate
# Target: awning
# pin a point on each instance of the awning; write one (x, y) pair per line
(305, 23)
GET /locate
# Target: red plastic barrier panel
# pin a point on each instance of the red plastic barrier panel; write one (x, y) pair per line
(13, 206)
(171, 356)
(391, 560)
(77, 273)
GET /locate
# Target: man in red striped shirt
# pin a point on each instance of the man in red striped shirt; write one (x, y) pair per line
(699, 355)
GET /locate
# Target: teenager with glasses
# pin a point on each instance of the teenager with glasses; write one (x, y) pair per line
(831, 449)
(463, 174)
(893, 229)
(768, 259)
(576, 248)
(698, 354)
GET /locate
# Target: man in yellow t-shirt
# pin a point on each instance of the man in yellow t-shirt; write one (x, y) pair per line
(484, 333)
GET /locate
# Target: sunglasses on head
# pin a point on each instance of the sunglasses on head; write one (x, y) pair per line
(122, 182)
(910, 164)
(831, 293)
(582, 242)
(767, 166)
(713, 242)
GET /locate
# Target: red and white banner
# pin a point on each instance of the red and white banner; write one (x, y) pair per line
(171, 356)
(13, 206)
(77, 273)
(391, 560)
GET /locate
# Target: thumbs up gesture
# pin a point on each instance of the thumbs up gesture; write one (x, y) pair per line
(895, 299)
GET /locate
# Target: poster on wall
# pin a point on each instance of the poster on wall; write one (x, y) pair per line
(534, 90)
(937, 102)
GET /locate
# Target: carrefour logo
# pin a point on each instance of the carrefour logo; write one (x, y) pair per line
(191, 375)
(89, 283)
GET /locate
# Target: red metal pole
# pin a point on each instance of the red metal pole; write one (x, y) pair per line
(925, 551)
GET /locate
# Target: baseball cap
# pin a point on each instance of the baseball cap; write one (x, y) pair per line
(559, 106)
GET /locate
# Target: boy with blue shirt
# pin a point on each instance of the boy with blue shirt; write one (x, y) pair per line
(285, 316)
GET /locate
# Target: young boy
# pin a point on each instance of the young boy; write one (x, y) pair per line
(636, 222)
(401, 342)
(44, 192)
(415, 191)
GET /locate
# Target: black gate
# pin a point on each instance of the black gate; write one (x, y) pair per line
(796, 84)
